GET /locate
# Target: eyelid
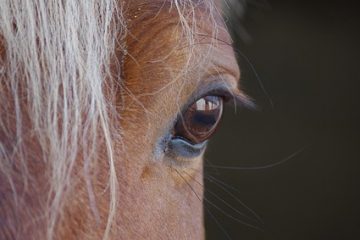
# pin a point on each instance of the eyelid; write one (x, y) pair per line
(240, 99)
(222, 90)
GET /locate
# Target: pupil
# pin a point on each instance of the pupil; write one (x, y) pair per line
(200, 118)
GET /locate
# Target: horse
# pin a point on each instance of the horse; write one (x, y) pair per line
(107, 107)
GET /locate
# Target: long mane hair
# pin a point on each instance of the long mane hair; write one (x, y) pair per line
(57, 90)
(56, 60)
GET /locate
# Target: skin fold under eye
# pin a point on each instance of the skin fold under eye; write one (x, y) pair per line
(200, 120)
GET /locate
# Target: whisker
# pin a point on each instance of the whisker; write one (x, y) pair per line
(222, 211)
(286, 159)
(206, 209)
(218, 224)
(257, 77)
(232, 217)
(222, 200)
(223, 186)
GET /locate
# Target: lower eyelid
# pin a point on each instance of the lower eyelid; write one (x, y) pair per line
(180, 147)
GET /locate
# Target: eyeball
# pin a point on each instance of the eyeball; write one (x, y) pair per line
(199, 121)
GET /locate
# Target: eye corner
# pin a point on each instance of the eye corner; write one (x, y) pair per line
(244, 101)
(235, 97)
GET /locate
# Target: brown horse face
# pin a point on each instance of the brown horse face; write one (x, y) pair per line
(178, 69)
(171, 101)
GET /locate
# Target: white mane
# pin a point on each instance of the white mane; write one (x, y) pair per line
(57, 56)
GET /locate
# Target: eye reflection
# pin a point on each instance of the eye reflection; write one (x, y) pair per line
(200, 120)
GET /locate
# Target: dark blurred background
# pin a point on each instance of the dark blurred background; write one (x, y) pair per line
(291, 169)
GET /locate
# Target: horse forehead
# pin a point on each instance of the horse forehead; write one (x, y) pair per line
(157, 42)
(195, 12)
(162, 3)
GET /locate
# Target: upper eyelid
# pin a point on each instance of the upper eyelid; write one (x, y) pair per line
(242, 100)
(222, 89)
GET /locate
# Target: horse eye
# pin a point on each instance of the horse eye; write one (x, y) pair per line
(200, 120)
